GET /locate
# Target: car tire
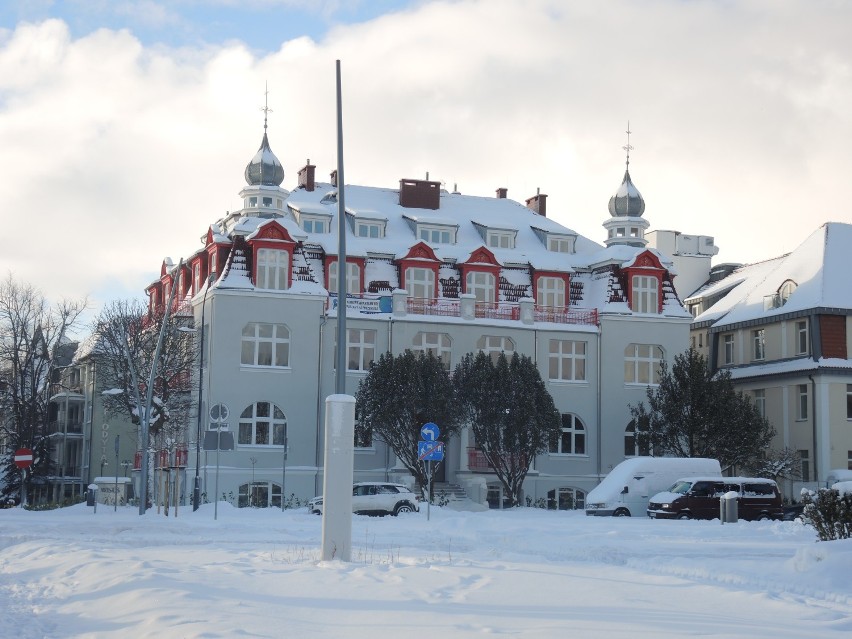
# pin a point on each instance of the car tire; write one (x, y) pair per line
(684, 516)
(621, 512)
(403, 508)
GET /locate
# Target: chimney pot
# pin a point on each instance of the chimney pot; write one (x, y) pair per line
(306, 176)
(538, 203)
(334, 177)
(502, 192)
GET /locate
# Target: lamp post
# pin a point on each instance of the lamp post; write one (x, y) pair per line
(196, 487)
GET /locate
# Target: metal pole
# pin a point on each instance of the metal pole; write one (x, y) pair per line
(196, 488)
(284, 470)
(216, 488)
(340, 379)
(149, 395)
(115, 509)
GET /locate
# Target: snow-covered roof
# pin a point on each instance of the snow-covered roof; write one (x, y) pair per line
(817, 270)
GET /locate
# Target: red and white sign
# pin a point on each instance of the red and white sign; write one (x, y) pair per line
(23, 458)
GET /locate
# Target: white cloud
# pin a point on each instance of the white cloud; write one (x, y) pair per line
(116, 155)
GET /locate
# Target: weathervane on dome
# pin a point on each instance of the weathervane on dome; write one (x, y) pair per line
(627, 147)
(266, 110)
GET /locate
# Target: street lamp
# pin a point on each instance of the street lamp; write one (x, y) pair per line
(125, 464)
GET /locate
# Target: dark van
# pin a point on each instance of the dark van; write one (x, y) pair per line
(698, 498)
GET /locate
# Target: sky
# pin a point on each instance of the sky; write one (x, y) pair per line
(125, 126)
(74, 573)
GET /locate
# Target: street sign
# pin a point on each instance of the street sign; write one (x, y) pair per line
(218, 440)
(430, 451)
(219, 413)
(23, 458)
(430, 431)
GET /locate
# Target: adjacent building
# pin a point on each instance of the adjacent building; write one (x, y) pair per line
(781, 327)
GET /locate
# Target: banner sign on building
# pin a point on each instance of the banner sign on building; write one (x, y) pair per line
(381, 304)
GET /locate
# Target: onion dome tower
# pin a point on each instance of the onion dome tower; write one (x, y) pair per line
(626, 225)
(264, 196)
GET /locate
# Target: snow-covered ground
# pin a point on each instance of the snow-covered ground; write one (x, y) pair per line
(524, 572)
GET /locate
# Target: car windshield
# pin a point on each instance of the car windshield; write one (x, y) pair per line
(681, 487)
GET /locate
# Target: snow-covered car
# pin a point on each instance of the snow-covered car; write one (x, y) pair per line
(376, 498)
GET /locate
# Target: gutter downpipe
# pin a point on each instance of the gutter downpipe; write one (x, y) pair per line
(196, 487)
(814, 426)
(390, 350)
(599, 400)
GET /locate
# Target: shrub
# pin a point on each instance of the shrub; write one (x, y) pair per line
(829, 512)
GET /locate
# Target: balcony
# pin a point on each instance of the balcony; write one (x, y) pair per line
(502, 310)
(59, 428)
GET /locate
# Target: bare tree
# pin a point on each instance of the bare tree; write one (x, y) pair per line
(125, 336)
(32, 332)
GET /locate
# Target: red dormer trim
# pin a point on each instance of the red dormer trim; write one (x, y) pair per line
(198, 266)
(333, 259)
(420, 255)
(217, 254)
(482, 260)
(271, 235)
(565, 277)
(647, 264)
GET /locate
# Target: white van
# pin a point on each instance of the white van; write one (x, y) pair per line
(627, 489)
(836, 475)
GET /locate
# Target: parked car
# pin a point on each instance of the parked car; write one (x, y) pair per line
(625, 491)
(699, 497)
(376, 498)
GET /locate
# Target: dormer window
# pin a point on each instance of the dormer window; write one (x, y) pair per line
(786, 291)
(353, 278)
(314, 224)
(436, 234)
(645, 294)
(500, 239)
(252, 201)
(369, 229)
(481, 284)
(559, 244)
(273, 267)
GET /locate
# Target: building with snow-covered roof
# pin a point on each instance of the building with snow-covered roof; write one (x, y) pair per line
(781, 327)
(426, 270)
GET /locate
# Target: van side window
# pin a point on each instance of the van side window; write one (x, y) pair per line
(703, 489)
(758, 490)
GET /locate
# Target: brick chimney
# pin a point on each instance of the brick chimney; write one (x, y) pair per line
(538, 203)
(502, 192)
(306, 176)
(419, 194)
(334, 177)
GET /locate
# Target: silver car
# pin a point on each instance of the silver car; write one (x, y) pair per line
(376, 498)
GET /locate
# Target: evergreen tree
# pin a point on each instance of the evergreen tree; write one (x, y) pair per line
(695, 413)
(510, 412)
(398, 396)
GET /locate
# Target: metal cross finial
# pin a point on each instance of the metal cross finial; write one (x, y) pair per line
(266, 110)
(628, 148)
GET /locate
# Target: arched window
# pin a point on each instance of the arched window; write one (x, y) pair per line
(566, 498)
(259, 494)
(262, 424)
(635, 446)
(786, 291)
(572, 439)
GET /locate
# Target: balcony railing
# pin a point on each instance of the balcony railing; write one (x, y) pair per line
(476, 460)
(58, 427)
(503, 310)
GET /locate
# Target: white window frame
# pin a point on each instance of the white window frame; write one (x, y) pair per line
(261, 341)
(493, 345)
(275, 423)
(420, 282)
(481, 284)
(802, 337)
(558, 244)
(645, 294)
(196, 277)
(439, 344)
(642, 361)
(805, 460)
(567, 360)
(500, 239)
(728, 340)
(550, 291)
(758, 338)
(576, 495)
(360, 349)
(369, 229)
(760, 401)
(272, 268)
(572, 437)
(353, 277)
(436, 234)
(314, 224)
(802, 411)
(246, 494)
